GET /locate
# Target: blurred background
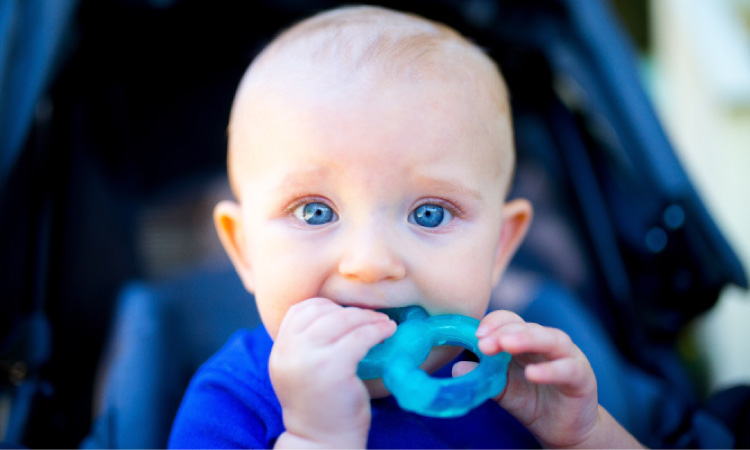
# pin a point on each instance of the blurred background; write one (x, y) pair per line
(119, 123)
(697, 68)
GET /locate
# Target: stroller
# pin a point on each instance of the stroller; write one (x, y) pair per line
(622, 246)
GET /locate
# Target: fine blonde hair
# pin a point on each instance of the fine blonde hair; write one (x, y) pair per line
(336, 45)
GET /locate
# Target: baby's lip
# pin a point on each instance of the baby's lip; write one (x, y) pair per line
(366, 300)
(375, 304)
(404, 313)
(369, 305)
(400, 313)
(371, 295)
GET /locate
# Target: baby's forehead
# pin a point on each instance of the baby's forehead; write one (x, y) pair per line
(353, 42)
(374, 48)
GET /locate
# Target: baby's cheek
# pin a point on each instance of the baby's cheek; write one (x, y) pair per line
(272, 316)
(465, 300)
(462, 288)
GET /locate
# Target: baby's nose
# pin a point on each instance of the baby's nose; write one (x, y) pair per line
(370, 257)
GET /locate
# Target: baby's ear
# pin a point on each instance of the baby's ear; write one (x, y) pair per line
(517, 216)
(228, 221)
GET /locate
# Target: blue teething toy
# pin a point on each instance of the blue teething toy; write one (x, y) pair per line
(397, 361)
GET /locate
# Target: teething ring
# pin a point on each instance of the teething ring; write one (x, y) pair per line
(397, 361)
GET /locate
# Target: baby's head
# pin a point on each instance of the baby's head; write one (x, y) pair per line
(370, 152)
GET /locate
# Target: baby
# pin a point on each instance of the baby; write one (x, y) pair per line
(370, 152)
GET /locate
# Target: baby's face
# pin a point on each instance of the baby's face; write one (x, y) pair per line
(371, 196)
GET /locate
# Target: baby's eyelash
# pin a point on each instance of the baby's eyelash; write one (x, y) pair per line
(302, 199)
(452, 207)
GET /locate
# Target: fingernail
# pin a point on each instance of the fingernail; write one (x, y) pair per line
(483, 331)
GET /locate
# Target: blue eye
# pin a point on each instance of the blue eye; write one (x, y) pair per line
(315, 213)
(430, 216)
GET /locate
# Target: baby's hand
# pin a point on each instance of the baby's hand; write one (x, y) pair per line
(551, 386)
(313, 369)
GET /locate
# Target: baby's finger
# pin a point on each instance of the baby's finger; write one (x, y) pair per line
(549, 343)
(495, 320)
(571, 375)
(462, 368)
(302, 314)
(334, 325)
(354, 345)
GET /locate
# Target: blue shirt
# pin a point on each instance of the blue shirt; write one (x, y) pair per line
(230, 403)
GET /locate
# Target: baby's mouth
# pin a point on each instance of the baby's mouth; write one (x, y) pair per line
(404, 313)
(400, 314)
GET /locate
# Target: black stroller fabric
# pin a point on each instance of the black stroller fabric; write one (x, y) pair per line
(652, 257)
(657, 256)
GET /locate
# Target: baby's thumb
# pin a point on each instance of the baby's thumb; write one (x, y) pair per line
(463, 367)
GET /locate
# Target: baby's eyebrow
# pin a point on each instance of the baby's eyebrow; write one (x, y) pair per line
(445, 187)
(299, 179)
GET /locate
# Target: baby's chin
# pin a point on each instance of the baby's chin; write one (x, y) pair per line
(438, 357)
